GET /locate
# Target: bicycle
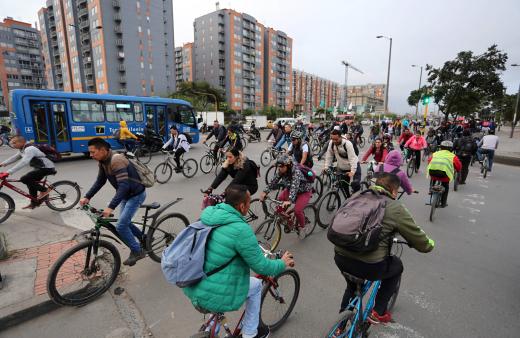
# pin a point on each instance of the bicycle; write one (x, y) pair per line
(281, 301)
(208, 161)
(367, 181)
(484, 165)
(436, 191)
(411, 167)
(331, 201)
(317, 185)
(353, 321)
(141, 152)
(164, 170)
(63, 196)
(269, 154)
(96, 262)
(5, 138)
(269, 232)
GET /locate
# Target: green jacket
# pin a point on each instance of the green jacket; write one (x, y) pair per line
(227, 289)
(397, 220)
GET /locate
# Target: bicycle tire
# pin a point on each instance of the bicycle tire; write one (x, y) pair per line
(310, 219)
(257, 213)
(318, 190)
(341, 325)
(279, 298)
(206, 163)
(329, 203)
(393, 298)
(433, 206)
(143, 155)
(410, 168)
(6, 206)
(456, 179)
(76, 298)
(268, 234)
(154, 244)
(190, 168)
(325, 178)
(163, 172)
(265, 158)
(212, 145)
(486, 167)
(60, 193)
(269, 174)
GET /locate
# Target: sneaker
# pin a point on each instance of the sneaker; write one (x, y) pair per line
(263, 332)
(134, 257)
(30, 206)
(375, 318)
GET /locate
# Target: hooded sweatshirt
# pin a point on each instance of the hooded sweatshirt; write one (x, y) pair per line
(392, 162)
(124, 133)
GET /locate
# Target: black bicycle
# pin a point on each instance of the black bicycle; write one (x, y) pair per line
(164, 170)
(88, 269)
(331, 201)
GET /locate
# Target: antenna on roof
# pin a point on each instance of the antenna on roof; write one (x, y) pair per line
(217, 4)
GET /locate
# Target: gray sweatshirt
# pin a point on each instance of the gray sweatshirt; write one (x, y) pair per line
(27, 154)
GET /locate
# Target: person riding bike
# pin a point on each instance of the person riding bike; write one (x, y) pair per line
(233, 139)
(126, 138)
(405, 136)
(357, 131)
(299, 150)
(220, 134)
(465, 148)
(130, 193)
(343, 152)
(286, 137)
(243, 171)
(488, 145)
(235, 244)
(178, 143)
(393, 162)
(4, 133)
(442, 166)
(379, 264)
(34, 157)
(296, 188)
(276, 133)
(387, 142)
(416, 144)
(378, 150)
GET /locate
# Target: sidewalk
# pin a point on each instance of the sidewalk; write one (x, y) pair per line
(508, 151)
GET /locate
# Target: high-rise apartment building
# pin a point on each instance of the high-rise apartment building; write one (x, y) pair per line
(230, 51)
(184, 63)
(366, 98)
(311, 92)
(21, 61)
(102, 46)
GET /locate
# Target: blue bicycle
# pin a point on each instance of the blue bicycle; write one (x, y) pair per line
(353, 322)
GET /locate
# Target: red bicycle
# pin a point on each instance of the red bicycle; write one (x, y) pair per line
(64, 196)
(279, 296)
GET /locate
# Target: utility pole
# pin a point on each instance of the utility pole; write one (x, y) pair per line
(516, 107)
(388, 71)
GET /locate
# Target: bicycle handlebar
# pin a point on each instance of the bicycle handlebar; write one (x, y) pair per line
(95, 212)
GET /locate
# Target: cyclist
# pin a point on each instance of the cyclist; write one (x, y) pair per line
(378, 264)
(130, 193)
(126, 138)
(300, 150)
(235, 244)
(393, 161)
(416, 144)
(442, 166)
(276, 133)
(34, 157)
(4, 133)
(296, 189)
(378, 150)
(387, 142)
(342, 150)
(243, 171)
(219, 132)
(465, 148)
(488, 145)
(357, 130)
(233, 139)
(404, 137)
(179, 145)
(286, 137)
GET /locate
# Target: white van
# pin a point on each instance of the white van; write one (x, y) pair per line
(285, 120)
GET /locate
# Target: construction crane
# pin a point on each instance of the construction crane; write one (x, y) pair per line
(347, 66)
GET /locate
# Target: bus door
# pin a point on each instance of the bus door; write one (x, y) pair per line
(156, 115)
(60, 137)
(41, 128)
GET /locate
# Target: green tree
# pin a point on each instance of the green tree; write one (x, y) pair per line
(201, 95)
(468, 83)
(505, 107)
(416, 95)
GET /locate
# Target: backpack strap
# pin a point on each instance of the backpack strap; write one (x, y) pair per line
(395, 171)
(222, 267)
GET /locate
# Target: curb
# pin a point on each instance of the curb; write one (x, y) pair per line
(34, 308)
(507, 160)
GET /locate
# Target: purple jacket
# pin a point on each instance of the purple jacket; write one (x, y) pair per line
(394, 160)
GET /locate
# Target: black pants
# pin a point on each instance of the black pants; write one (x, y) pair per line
(465, 160)
(32, 177)
(388, 272)
(178, 154)
(417, 154)
(215, 151)
(355, 185)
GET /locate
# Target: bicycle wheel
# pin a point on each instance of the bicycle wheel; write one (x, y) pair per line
(81, 274)
(162, 232)
(410, 168)
(279, 298)
(318, 190)
(189, 168)
(393, 299)
(64, 195)
(206, 163)
(143, 155)
(269, 174)
(486, 167)
(434, 200)
(310, 220)
(341, 325)
(6, 206)
(268, 234)
(163, 172)
(257, 213)
(327, 207)
(265, 157)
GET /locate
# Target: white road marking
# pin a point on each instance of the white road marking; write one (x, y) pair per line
(399, 331)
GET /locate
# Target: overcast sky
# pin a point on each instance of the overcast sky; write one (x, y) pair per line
(328, 31)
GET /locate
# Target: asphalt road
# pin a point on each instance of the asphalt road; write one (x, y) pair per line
(466, 287)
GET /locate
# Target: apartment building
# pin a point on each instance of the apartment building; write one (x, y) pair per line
(21, 61)
(366, 98)
(311, 92)
(184, 63)
(250, 62)
(101, 46)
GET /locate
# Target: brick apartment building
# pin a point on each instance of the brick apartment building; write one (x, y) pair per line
(184, 63)
(311, 92)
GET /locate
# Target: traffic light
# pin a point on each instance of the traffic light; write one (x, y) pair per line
(425, 100)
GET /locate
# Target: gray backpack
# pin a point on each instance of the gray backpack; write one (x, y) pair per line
(183, 260)
(357, 226)
(146, 176)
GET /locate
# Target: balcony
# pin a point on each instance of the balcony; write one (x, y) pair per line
(119, 42)
(90, 82)
(88, 72)
(85, 48)
(122, 68)
(116, 4)
(122, 79)
(84, 24)
(121, 55)
(118, 29)
(54, 34)
(123, 91)
(81, 2)
(117, 17)
(83, 12)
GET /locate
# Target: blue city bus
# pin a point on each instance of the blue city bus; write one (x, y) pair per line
(67, 120)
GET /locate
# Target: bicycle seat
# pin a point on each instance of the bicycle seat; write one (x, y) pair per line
(353, 279)
(153, 205)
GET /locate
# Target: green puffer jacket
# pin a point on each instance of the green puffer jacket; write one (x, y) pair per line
(227, 289)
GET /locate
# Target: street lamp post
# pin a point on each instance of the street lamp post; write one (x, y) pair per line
(388, 71)
(417, 105)
(516, 106)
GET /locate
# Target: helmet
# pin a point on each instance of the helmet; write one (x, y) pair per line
(297, 134)
(283, 160)
(447, 144)
(386, 136)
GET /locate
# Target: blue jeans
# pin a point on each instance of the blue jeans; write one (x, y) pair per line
(252, 312)
(125, 228)
(283, 140)
(490, 153)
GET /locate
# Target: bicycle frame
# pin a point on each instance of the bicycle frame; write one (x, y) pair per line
(7, 183)
(357, 303)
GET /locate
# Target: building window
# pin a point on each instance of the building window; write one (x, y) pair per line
(139, 29)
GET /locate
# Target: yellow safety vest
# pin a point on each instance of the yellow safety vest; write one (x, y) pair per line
(443, 160)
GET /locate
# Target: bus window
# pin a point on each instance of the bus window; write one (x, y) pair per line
(117, 111)
(187, 116)
(87, 111)
(138, 111)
